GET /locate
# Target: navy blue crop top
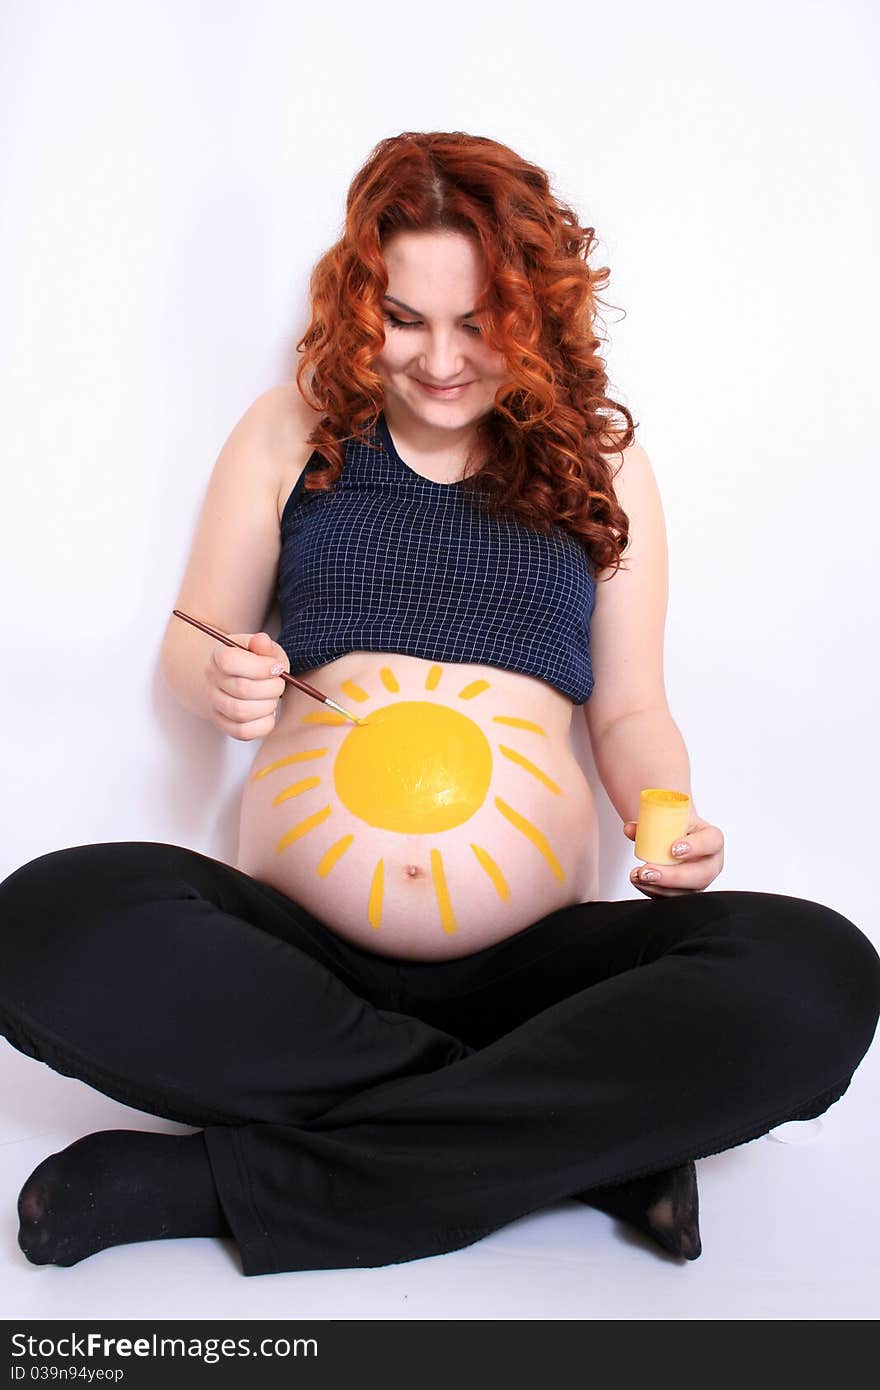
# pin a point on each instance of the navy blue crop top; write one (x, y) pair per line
(390, 561)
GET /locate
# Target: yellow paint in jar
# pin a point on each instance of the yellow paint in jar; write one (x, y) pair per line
(664, 817)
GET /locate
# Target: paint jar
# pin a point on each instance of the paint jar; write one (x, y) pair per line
(664, 817)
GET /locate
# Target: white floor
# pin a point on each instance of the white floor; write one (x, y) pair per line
(790, 1231)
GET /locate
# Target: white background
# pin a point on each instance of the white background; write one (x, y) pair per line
(171, 169)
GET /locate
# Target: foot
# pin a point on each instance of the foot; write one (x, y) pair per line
(115, 1187)
(664, 1205)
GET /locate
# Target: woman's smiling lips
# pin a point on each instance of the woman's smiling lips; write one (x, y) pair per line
(446, 393)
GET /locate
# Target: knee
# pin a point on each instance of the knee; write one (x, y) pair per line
(64, 879)
(38, 879)
(36, 900)
(823, 971)
(52, 875)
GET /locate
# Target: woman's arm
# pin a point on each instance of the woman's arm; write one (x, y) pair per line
(232, 568)
(636, 742)
(639, 750)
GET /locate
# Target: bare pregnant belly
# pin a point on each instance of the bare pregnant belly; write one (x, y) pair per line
(454, 817)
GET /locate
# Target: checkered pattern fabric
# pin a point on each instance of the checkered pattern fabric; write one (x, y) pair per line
(390, 561)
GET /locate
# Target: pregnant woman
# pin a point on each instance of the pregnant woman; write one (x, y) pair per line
(403, 1018)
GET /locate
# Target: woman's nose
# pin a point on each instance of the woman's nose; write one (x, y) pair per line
(441, 362)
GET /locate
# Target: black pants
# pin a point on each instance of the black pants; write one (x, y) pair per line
(360, 1110)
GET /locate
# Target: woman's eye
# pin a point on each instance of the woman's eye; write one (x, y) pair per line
(401, 323)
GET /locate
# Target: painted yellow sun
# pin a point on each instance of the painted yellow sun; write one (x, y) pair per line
(415, 767)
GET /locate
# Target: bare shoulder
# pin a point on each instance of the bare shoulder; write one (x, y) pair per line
(632, 478)
(294, 415)
(293, 420)
(637, 492)
(618, 456)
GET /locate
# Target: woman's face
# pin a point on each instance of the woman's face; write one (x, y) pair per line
(438, 275)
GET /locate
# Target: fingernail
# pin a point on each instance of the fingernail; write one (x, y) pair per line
(276, 670)
(649, 876)
(680, 848)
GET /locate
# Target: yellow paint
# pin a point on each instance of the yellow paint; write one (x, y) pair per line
(472, 689)
(518, 723)
(285, 762)
(374, 903)
(486, 862)
(416, 768)
(302, 828)
(532, 833)
(335, 852)
(664, 815)
(662, 796)
(295, 788)
(444, 902)
(353, 691)
(515, 757)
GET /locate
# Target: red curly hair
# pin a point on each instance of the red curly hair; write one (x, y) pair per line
(545, 441)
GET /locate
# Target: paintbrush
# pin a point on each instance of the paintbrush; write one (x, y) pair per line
(291, 680)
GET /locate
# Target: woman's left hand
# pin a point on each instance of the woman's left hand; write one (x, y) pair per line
(692, 871)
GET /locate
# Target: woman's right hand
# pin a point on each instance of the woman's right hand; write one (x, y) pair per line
(244, 693)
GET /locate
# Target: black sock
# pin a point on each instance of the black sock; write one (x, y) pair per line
(115, 1187)
(666, 1205)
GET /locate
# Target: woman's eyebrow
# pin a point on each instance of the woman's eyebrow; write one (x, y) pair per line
(409, 309)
